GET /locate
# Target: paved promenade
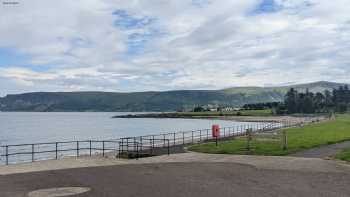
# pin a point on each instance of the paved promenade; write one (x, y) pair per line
(188, 174)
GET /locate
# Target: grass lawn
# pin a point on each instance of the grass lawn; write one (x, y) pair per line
(343, 155)
(298, 139)
(266, 112)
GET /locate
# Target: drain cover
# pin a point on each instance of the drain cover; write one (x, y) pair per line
(58, 192)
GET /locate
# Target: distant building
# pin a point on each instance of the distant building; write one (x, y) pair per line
(231, 109)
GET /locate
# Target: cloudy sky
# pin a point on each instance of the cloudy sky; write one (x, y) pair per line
(139, 45)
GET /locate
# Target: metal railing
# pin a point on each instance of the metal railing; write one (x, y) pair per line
(141, 147)
(55, 150)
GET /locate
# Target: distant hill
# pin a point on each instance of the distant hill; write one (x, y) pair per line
(150, 101)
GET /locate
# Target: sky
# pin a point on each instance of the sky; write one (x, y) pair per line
(143, 45)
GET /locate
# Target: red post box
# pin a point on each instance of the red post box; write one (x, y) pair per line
(215, 131)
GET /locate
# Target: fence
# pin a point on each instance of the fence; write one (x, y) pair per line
(141, 147)
(54, 150)
(149, 143)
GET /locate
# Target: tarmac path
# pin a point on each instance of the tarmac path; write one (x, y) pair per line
(323, 151)
(187, 174)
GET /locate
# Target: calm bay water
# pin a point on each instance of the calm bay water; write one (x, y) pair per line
(35, 127)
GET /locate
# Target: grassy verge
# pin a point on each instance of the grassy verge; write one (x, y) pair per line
(298, 139)
(343, 155)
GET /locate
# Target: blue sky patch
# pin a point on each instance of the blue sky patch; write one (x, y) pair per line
(270, 6)
(9, 57)
(127, 21)
(137, 41)
(267, 6)
(200, 3)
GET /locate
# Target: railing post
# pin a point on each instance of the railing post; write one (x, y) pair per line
(174, 138)
(32, 152)
(127, 145)
(284, 140)
(200, 135)
(56, 150)
(207, 134)
(103, 148)
(7, 154)
(77, 148)
(134, 143)
(192, 137)
(141, 144)
(121, 148)
(117, 147)
(183, 138)
(137, 150)
(168, 147)
(151, 146)
(90, 147)
(164, 140)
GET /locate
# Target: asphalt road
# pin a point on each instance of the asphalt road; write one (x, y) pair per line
(181, 179)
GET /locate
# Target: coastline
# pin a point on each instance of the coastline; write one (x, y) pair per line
(243, 118)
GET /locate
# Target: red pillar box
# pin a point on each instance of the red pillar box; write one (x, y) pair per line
(215, 131)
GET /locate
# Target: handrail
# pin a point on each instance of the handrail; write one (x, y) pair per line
(174, 138)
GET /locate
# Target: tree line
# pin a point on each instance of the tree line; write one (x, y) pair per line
(337, 100)
(261, 106)
(308, 102)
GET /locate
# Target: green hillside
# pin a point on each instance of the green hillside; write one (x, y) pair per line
(149, 101)
(320, 86)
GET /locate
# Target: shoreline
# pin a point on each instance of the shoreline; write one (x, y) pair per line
(242, 118)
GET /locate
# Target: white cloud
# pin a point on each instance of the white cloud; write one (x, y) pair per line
(182, 45)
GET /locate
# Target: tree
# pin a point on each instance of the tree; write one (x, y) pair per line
(328, 102)
(291, 101)
(198, 109)
(308, 102)
(319, 102)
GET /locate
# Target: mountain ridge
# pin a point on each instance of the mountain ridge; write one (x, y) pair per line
(151, 100)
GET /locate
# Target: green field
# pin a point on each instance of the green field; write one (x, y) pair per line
(298, 139)
(343, 155)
